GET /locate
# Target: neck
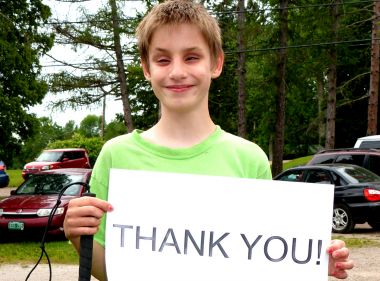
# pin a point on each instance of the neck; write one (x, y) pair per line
(179, 131)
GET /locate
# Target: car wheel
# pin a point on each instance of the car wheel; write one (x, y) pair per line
(342, 221)
(374, 225)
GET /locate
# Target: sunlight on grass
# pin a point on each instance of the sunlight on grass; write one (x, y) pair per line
(15, 178)
(357, 242)
(29, 252)
(297, 162)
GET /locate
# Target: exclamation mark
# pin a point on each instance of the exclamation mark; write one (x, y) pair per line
(319, 251)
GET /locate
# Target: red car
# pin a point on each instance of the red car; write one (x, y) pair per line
(51, 159)
(29, 206)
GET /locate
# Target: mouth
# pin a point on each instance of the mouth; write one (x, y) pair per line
(179, 88)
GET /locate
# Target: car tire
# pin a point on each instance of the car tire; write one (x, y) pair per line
(374, 225)
(342, 219)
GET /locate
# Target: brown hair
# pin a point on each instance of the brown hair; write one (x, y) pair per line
(174, 12)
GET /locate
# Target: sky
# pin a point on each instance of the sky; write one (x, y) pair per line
(68, 11)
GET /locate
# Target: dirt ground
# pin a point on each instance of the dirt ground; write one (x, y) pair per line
(367, 262)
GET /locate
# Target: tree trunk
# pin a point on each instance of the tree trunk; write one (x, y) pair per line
(374, 79)
(321, 115)
(242, 122)
(120, 68)
(278, 149)
(331, 76)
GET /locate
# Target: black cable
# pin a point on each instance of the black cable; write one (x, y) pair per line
(85, 253)
(51, 215)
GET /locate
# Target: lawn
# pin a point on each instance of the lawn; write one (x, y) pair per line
(27, 252)
(15, 177)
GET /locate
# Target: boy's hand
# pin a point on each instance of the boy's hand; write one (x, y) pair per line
(83, 216)
(339, 261)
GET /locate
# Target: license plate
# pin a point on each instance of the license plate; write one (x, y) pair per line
(15, 225)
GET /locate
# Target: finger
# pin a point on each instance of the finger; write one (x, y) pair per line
(340, 274)
(84, 211)
(344, 265)
(336, 245)
(79, 231)
(91, 201)
(340, 254)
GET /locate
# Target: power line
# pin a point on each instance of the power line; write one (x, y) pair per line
(228, 12)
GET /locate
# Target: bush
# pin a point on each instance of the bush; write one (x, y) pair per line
(92, 145)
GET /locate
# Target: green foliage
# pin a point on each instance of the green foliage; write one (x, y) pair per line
(46, 132)
(114, 129)
(22, 42)
(28, 252)
(15, 177)
(93, 145)
(90, 126)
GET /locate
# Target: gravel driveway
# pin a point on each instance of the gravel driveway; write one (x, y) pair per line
(367, 262)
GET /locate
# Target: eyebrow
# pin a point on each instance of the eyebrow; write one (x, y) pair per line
(190, 49)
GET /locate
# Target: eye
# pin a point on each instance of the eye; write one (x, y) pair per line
(192, 58)
(163, 61)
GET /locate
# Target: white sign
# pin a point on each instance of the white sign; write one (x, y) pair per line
(179, 227)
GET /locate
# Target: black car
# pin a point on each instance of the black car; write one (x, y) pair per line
(364, 157)
(356, 195)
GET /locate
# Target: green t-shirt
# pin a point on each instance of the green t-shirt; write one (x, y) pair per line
(221, 154)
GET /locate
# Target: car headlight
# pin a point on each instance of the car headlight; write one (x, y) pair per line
(46, 167)
(46, 212)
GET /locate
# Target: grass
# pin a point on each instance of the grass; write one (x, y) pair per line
(297, 162)
(357, 242)
(15, 178)
(29, 252)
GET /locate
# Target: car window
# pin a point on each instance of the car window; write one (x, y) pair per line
(322, 159)
(356, 159)
(374, 164)
(316, 176)
(359, 174)
(292, 176)
(370, 144)
(49, 156)
(50, 184)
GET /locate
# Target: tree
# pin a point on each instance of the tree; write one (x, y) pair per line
(373, 101)
(278, 148)
(22, 43)
(90, 126)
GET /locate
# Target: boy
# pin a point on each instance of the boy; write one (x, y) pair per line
(181, 52)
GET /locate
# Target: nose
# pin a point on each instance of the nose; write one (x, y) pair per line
(178, 69)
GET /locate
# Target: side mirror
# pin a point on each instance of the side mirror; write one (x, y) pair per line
(13, 192)
(65, 159)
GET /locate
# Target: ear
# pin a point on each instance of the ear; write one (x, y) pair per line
(145, 68)
(218, 66)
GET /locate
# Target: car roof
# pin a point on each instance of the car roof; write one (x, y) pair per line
(374, 137)
(65, 149)
(348, 150)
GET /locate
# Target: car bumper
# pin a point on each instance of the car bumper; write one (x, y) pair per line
(33, 225)
(364, 212)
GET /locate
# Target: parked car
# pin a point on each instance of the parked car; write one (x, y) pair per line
(57, 159)
(4, 178)
(356, 194)
(27, 209)
(368, 142)
(2, 166)
(364, 157)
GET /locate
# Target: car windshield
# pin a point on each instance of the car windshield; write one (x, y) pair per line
(359, 174)
(49, 156)
(50, 184)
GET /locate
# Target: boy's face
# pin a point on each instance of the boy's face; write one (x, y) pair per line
(180, 68)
